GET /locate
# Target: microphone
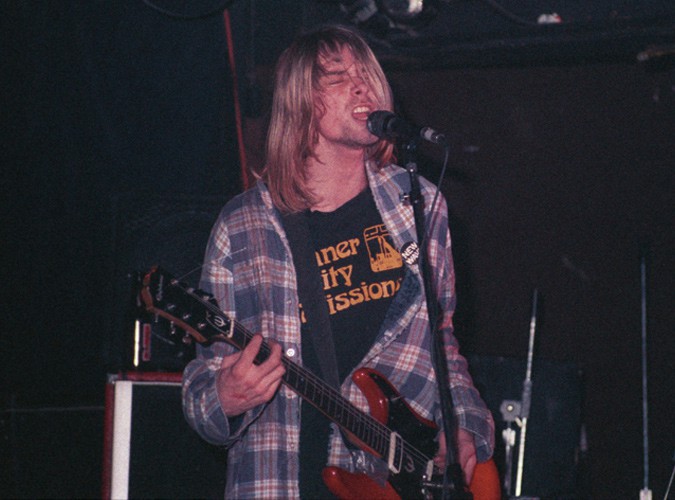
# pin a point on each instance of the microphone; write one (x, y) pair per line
(387, 125)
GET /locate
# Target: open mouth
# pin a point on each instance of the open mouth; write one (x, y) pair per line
(361, 112)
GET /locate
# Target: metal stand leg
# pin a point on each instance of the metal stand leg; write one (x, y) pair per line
(510, 411)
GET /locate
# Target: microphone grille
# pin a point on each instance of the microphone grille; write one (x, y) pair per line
(377, 122)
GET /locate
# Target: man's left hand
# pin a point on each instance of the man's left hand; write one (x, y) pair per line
(466, 451)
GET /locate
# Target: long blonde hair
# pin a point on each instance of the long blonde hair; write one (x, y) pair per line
(293, 130)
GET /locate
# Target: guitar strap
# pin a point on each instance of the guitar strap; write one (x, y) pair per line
(311, 294)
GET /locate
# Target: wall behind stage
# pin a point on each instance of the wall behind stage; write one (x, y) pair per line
(116, 118)
(558, 174)
(560, 178)
(106, 104)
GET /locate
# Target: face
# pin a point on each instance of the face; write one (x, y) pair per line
(344, 103)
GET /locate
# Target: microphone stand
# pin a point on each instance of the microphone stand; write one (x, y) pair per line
(453, 478)
(645, 492)
(519, 412)
(526, 400)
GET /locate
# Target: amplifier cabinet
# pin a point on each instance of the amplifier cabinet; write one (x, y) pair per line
(149, 449)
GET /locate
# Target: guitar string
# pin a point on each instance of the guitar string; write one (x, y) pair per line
(380, 431)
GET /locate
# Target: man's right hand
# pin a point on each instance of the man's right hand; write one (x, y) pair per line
(243, 385)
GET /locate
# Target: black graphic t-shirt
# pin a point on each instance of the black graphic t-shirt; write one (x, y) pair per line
(361, 271)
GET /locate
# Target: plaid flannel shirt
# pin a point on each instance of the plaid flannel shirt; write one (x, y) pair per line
(249, 269)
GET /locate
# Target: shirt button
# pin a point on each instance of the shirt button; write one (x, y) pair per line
(290, 352)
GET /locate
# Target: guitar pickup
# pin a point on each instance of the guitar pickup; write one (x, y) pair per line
(395, 457)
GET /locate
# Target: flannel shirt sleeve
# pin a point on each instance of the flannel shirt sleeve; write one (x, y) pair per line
(470, 410)
(201, 406)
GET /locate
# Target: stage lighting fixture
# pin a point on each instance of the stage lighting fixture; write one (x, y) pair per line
(390, 15)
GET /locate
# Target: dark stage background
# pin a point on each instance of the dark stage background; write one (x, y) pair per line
(120, 145)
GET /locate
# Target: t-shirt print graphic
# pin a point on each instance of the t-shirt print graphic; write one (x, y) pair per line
(383, 255)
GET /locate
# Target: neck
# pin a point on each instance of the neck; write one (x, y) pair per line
(336, 179)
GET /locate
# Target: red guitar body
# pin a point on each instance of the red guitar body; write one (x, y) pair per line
(389, 408)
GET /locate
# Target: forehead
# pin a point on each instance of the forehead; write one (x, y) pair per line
(338, 60)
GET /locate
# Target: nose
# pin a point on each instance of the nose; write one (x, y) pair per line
(359, 85)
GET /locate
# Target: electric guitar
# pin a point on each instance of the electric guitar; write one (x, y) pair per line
(391, 431)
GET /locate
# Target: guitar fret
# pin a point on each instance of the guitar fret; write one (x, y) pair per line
(376, 440)
(330, 406)
(312, 389)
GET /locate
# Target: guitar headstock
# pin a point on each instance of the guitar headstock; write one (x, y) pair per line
(192, 310)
